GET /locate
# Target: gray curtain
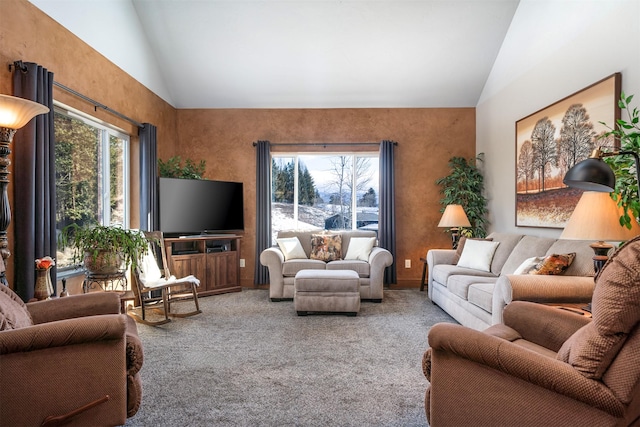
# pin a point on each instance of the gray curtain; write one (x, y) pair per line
(263, 208)
(387, 220)
(34, 180)
(149, 215)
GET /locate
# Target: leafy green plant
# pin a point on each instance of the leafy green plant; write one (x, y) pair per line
(173, 168)
(627, 133)
(113, 243)
(464, 186)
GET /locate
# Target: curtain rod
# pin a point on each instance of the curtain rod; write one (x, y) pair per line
(20, 66)
(96, 104)
(322, 144)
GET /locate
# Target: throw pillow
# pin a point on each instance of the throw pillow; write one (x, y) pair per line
(478, 254)
(326, 247)
(528, 265)
(360, 248)
(551, 265)
(291, 248)
(461, 244)
(13, 312)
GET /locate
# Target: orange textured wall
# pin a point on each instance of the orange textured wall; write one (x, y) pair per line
(426, 138)
(28, 34)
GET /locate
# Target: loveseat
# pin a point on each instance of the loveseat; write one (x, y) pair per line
(283, 265)
(476, 298)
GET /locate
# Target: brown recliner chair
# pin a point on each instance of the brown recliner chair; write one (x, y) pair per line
(72, 361)
(544, 366)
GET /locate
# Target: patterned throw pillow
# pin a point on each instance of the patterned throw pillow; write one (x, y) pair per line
(326, 247)
(553, 264)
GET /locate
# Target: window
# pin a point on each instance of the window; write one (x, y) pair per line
(92, 163)
(337, 191)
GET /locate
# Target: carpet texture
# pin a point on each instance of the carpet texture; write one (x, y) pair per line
(247, 361)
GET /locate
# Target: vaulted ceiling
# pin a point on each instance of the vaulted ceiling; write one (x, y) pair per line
(297, 53)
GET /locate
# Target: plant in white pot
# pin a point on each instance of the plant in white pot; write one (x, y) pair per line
(104, 249)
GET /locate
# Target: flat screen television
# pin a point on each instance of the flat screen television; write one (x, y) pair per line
(200, 206)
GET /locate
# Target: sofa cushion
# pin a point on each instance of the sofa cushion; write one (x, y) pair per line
(527, 247)
(360, 248)
(481, 295)
(508, 242)
(290, 268)
(582, 265)
(326, 246)
(13, 311)
(478, 254)
(459, 284)
(291, 248)
(361, 267)
(615, 309)
(442, 272)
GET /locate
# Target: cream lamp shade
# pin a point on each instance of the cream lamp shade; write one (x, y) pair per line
(597, 217)
(16, 112)
(454, 217)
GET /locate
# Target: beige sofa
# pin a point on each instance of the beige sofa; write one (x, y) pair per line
(282, 273)
(477, 299)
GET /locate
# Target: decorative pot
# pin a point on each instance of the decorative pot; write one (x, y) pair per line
(104, 262)
(43, 288)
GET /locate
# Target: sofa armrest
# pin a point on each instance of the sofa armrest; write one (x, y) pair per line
(454, 346)
(63, 333)
(435, 257)
(379, 260)
(82, 305)
(544, 325)
(539, 288)
(273, 258)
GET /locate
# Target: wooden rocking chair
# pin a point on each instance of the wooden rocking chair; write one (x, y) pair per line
(155, 289)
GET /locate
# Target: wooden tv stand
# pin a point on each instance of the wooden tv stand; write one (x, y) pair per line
(214, 259)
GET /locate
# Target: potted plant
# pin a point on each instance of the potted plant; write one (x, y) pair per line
(464, 186)
(104, 249)
(627, 133)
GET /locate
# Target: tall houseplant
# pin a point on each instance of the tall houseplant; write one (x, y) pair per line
(104, 249)
(627, 133)
(173, 168)
(464, 186)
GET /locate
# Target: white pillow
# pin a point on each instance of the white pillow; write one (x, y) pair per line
(478, 254)
(528, 264)
(148, 267)
(360, 248)
(291, 248)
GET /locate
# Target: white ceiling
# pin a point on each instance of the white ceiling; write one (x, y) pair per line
(297, 53)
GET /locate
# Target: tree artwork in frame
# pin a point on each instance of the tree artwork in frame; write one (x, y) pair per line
(551, 141)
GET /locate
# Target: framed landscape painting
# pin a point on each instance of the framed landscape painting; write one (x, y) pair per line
(551, 141)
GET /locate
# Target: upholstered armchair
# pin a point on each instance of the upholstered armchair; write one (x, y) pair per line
(72, 360)
(544, 365)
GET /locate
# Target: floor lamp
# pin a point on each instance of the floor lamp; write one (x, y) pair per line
(453, 218)
(14, 113)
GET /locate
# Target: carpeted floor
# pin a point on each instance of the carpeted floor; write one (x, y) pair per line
(247, 361)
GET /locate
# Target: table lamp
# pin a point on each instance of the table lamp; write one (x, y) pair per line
(597, 217)
(454, 218)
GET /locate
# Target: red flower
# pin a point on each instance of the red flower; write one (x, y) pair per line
(44, 263)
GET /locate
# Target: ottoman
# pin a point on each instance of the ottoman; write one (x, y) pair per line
(326, 291)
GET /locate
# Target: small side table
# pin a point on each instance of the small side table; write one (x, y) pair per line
(424, 273)
(115, 282)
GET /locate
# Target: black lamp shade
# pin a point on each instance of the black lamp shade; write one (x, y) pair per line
(591, 175)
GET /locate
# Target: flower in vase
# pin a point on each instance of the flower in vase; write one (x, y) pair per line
(44, 263)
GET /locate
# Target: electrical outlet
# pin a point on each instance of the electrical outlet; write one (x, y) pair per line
(241, 262)
(407, 263)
